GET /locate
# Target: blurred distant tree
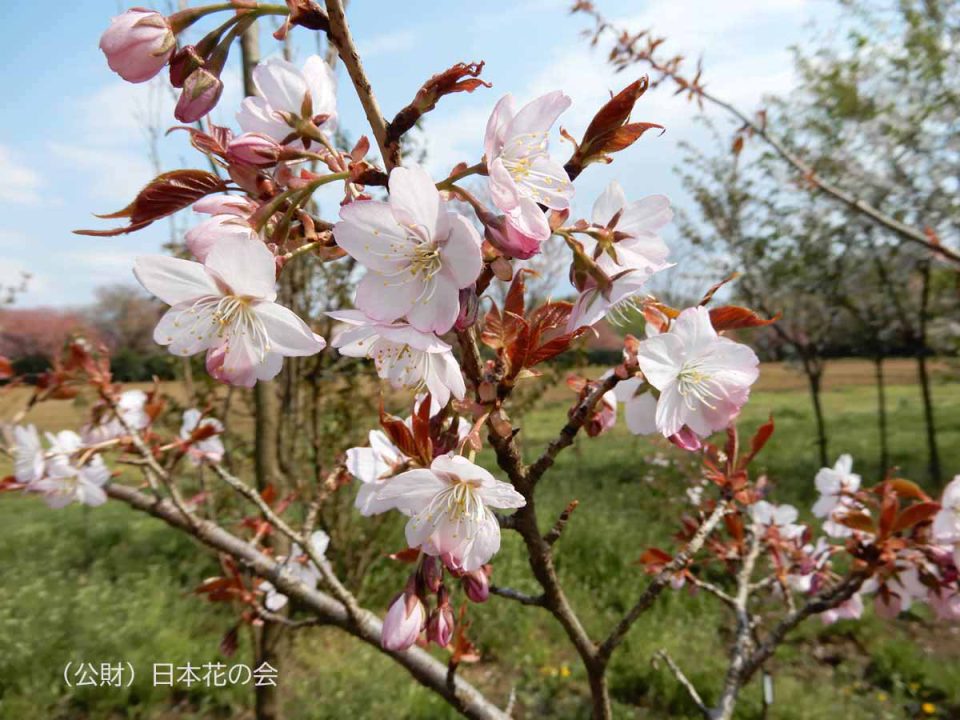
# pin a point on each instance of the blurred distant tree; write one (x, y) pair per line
(124, 318)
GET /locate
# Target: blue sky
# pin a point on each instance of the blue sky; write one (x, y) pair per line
(74, 137)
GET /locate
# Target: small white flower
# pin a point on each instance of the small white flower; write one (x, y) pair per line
(28, 456)
(403, 355)
(449, 509)
(302, 569)
(781, 517)
(207, 450)
(835, 485)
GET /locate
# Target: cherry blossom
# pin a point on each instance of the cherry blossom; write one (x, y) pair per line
(449, 508)
(285, 94)
(209, 449)
(302, 569)
(850, 609)
(138, 44)
(239, 205)
(201, 238)
(403, 623)
(835, 486)
(132, 409)
(703, 378)
(418, 254)
(403, 355)
(372, 466)
(946, 523)
(629, 245)
(639, 405)
(522, 174)
(226, 307)
(28, 454)
(781, 517)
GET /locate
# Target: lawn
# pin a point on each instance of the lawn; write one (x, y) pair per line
(106, 585)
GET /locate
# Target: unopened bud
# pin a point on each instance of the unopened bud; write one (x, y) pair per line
(138, 44)
(200, 94)
(254, 149)
(469, 309)
(476, 585)
(183, 63)
(403, 623)
(440, 626)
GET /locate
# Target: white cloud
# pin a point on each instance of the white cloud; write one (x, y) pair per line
(115, 175)
(19, 184)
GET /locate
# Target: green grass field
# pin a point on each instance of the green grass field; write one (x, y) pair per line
(107, 585)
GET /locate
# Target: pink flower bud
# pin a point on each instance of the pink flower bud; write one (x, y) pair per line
(440, 626)
(403, 623)
(239, 205)
(254, 149)
(182, 65)
(201, 239)
(469, 308)
(138, 44)
(476, 585)
(686, 439)
(200, 94)
(511, 240)
(430, 573)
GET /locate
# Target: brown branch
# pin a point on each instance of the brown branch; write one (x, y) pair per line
(558, 527)
(660, 581)
(520, 597)
(339, 34)
(365, 626)
(578, 417)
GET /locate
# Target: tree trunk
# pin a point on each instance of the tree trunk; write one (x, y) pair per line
(814, 373)
(933, 452)
(881, 413)
(267, 640)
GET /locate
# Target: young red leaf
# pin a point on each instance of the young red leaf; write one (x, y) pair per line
(857, 521)
(915, 514)
(162, 196)
(732, 317)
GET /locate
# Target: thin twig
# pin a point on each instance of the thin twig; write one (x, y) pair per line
(660, 581)
(340, 36)
(683, 680)
(520, 597)
(558, 527)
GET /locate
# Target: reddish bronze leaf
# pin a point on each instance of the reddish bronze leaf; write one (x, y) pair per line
(733, 317)
(915, 514)
(164, 195)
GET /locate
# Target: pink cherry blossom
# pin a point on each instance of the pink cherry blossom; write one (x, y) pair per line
(282, 92)
(639, 405)
(403, 623)
(850, 609)
(403, 355)
(227, 307)
(522, 174)
(418, 254)
(239, 205)
(703, 378)
(201, 238)
(207, 450)
(138, 44)
(449, 508)
(638, 251)
(518, 163)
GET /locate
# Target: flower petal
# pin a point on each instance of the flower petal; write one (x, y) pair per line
(173, 280)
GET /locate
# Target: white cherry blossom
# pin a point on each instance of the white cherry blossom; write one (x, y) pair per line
(782, 517)
(132, 409)
(946, 523)
(28, 454)
(418, 254)
(207, 450)
(281, 91)
(449, 508)
(227, 307)
(403, 355)
(372, 466)
(639, 251)
(703, 378)
(834, 485)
